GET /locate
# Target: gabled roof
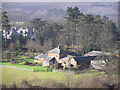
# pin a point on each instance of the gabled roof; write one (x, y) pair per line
(84, 59)
(57, 51)
(96, 53)
(78, 58)
(73, 53)
(48, 58)
(81, 59)
(43, 55)
(65, 59)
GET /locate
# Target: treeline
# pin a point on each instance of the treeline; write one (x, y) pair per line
(80, 33)
(88, 32)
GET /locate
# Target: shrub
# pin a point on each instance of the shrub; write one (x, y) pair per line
(49, 83)
(25, 84)
(26, 63)
(30, 55)
(21, 53)
(13, 62)
(57, 66)
(65, 68)
(86, 82)
(13, 85)
(6, 55)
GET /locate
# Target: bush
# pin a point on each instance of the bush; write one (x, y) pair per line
(65, 68)
(49, 83)
(13, 86)
(26, 63)
(85, 82)
(30, 55)
(6, 55)
(25, 84)
(21, 53)
(13, 62)
(57, 66)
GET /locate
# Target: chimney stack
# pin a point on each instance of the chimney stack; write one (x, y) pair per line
(59, 47)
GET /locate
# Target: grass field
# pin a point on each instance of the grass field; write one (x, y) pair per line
(11, 75)
(35, 68)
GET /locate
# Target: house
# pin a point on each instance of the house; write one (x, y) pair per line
(45, 59)
(70, 59)
(67, 59)
(51, 57)
(97, 63)
(25, 32)
(17, 31)
(58, 53)
(73, 61)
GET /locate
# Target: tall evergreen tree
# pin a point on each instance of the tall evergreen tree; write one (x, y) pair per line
(5, 26)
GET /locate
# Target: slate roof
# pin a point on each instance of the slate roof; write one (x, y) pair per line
(84, 59)
(57, 51)
(96, 53)
(43, 55)
(65, 58)
(79, 58)
(73, 54)
(48, 58)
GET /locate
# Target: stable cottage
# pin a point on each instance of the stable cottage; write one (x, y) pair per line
(51, 57)
(68, 59)
(58, 55)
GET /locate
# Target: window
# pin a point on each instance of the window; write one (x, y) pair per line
(69, 64)
(72, 61)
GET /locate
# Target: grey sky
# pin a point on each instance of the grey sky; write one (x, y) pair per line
(109, 9)
(60, 0)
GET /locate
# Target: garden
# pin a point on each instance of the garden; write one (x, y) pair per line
(22, 61)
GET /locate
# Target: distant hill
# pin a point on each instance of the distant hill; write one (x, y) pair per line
(26, 11)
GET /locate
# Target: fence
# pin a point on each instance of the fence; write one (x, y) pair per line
(26, 69)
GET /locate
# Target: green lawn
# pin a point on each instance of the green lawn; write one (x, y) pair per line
(12, 75)
(35, 68)
(29, 60)
(22, 59)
